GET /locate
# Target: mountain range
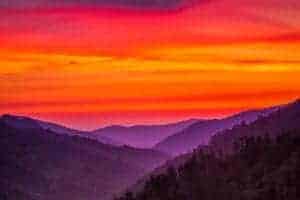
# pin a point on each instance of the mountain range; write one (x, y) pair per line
(258, 160)
(142, 136)
(46, 161)
(200, 133)
(36, 163)
(22, 122)
(173, 139)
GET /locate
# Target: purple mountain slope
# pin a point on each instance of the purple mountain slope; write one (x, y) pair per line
(200, 133)
(285, 119)
(139, 136)
(22, 122)
(142, 136)
(36, 163)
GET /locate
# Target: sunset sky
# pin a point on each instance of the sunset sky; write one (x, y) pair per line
(92, 63)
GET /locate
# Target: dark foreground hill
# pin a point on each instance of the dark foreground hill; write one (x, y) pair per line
(260, 169)
(258, 161)
(38, 164)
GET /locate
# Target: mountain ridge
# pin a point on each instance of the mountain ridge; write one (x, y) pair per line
(200, 133)
(40, 164)
(278, 127)
(143, 136)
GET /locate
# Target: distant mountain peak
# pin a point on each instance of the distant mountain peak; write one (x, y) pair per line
(20, 122)
(10, 116)
(143, 135)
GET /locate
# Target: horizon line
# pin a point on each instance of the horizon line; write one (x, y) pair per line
(168, 122)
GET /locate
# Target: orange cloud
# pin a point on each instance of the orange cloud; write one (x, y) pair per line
(210, 59)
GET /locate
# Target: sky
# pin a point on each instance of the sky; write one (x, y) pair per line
(88, 64)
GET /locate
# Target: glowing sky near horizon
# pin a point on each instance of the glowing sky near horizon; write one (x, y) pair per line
(97, 62)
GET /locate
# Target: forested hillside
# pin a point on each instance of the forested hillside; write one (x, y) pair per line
(256, 161)
(260, 169)
(287, 117)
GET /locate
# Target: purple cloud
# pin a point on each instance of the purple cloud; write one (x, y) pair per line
(140, 4)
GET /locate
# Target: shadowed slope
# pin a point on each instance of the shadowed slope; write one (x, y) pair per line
(41, 165)
(201, 132)
(255, 161)
(286, 118)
